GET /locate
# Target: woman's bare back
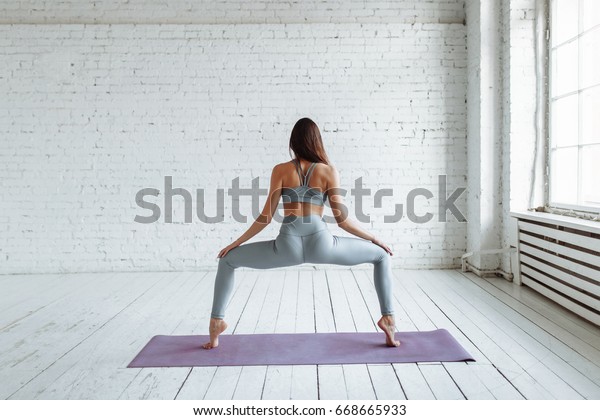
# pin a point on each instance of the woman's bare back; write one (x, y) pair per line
(289, 179)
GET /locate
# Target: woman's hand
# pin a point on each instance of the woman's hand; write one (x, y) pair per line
(387, 249)
(228, 248)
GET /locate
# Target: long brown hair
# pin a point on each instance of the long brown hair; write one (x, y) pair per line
(306, 142)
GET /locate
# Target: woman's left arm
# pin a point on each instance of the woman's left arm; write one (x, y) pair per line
(265, 217)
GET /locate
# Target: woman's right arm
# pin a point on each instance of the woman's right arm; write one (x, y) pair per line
(340, 212)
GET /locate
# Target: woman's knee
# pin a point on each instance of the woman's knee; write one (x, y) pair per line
(382, 257)
(226, 262)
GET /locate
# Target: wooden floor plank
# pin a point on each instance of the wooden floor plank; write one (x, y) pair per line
(287, 314)
(244, 295)
(364, 280)
(463, 310)
(20, 287)
(324, 321)
(278, 383)
(26, 324)
(524, 347)
(151, 383)
(495, 382)
(550, 367)
(250, 312)
(332, 385)
(155, 383)
(304, 382)
(544, 307)
(559, 332)
(341, 285)
(364, 285)
(331, 381)
(341, 310)
(82, 368)
(23, 300)
(223, 383)
(304, 377)
(250, 383)
(37, 357)
(441, 383)
(573, 368)
(468, 381)
(385, 382)
(258, 315)
(162, 319)
(413, 383)
(359, 306)
(358, 382)
(278, 379)
(268, 317)
(305, 314)
(198, 381)
(407, 289)
(417, 319)
(485, 348)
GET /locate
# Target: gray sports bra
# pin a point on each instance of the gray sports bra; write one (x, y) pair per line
(303, 193)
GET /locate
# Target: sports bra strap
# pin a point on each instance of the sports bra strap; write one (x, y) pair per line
(304, 179)
(298, 169)
(309, 173)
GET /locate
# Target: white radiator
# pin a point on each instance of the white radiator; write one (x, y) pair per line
(559, 257)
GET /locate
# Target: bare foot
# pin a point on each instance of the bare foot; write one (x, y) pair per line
(386, 323)
(216, 327)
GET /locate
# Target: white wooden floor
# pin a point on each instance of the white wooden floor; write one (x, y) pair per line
(71, 336)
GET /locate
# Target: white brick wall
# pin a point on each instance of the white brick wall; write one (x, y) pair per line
(231, 11)
(90, 114)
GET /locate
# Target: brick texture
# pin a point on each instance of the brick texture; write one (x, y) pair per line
(91, 114)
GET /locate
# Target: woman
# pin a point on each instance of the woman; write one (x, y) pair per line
(304, 184)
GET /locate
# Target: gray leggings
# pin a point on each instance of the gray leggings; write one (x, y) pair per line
(304, 239)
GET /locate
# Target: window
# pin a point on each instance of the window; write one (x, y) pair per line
(574, 105)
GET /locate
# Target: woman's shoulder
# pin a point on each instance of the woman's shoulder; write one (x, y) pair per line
(282, 165)
(280, 169)
(324, 166)
(328, 168)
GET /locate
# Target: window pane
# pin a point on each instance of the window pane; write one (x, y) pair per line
(590, 58)
(565, 15)
(590, 116)
(591, 14)
(590, 173)
(574, 104)
(564, 69)
(564, 121)
(563, 176)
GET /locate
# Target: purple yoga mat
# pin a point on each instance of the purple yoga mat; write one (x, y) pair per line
(300, 349)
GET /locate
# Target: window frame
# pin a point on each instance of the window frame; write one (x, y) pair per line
(548, 122)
